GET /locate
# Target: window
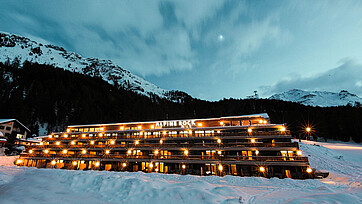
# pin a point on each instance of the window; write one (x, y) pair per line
(8, 128)
(1, 127)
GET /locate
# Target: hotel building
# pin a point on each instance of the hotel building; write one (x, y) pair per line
(246, 145)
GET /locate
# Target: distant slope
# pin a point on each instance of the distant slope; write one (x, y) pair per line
(319, 98)
(21, 49)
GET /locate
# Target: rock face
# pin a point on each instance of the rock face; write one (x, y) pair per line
(17, 49)
(319, 98)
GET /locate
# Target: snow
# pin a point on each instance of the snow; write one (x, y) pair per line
(318, 98)
(344, 185)
(14, 46)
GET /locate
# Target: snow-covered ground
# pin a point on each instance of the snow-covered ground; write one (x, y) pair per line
(344, 185)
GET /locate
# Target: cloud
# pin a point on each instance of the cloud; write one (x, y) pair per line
(347, 76)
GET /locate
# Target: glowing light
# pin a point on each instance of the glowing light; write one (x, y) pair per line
(50, 136)
(92, 142)
(199, 124)
(74, 163)
(112, 142)
(139, 127)
(57, 143)
(100, 134)
(218, 131)
(161, 141)
(260, 121)
(65, 151)
(221, 37)
(108, 151)
(164, 132)
(121, 128)
(65, 135)
(151, 165)
(83, 135)
(102, 129)
(124, 164)
(220, 167)
(183, 166)
(221, 123)
(97, 164)
(252, 140)
(129, 151)
(250, 130)
(46, 151)
(84, 151)
(68, 130)
(19, 161)
(53, 162)
(73, 143)
(308, 129)
(30, 151)
(256, 152)
(152, 126)
(282, 129)
(261, 169)
(219, 141)
(265, 121)
(137, 142)
(299, 152)
(41, 143)
(219, 152)
(186, 152)
(309, 170)
(156, 152)
(190, 132)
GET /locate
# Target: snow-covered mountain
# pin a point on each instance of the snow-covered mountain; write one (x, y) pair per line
(319, 98)
(23, 49)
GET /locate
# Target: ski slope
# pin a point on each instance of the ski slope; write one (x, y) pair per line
(344, 185)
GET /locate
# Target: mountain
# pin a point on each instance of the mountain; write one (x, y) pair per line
(14, 48)
(319, 98)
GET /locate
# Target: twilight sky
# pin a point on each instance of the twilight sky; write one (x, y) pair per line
(211, 49)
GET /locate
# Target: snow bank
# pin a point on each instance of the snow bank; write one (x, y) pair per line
(31, 185)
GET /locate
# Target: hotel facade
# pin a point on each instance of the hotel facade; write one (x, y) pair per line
(246, 145)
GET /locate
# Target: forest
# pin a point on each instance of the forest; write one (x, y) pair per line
(36, 94)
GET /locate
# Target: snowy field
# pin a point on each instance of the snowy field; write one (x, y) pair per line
(342, 160)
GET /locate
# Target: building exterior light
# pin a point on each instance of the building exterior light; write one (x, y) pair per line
(252, 140)
(129, 151)
(65, 135)
(150, 165)
(72, 143)
(250, 130)
(221, 123)
(57, 143)
(164, 132)
(121, 128)
(152, 126)
(100, 134)
(108, 151)
(299, 153)
(156, 152)
(220, 167)
(19, 161)
(74, 163)
(53, 162)
(219, 152)
(190, 132)
(265, 121)
(46, 151)
(92, 142)
(260, 121)
(139, 127)
(161, 141)
(261, 169)
(102, 128)
(31, 151)
(186, 152)
(308, 129)
(218, 131)
(282, 129)
(137, 142)
(309, 170)
(124, 164)
(199, 124)
(112, 142)
(41, 143)
(68, 130)
(65, 151)
(183, 166)
(97, 164)
(50, 136)
(84, 151)
(257, 152)
(219, 141)
(83, 135)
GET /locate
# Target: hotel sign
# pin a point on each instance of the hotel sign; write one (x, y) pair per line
(176, 123)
